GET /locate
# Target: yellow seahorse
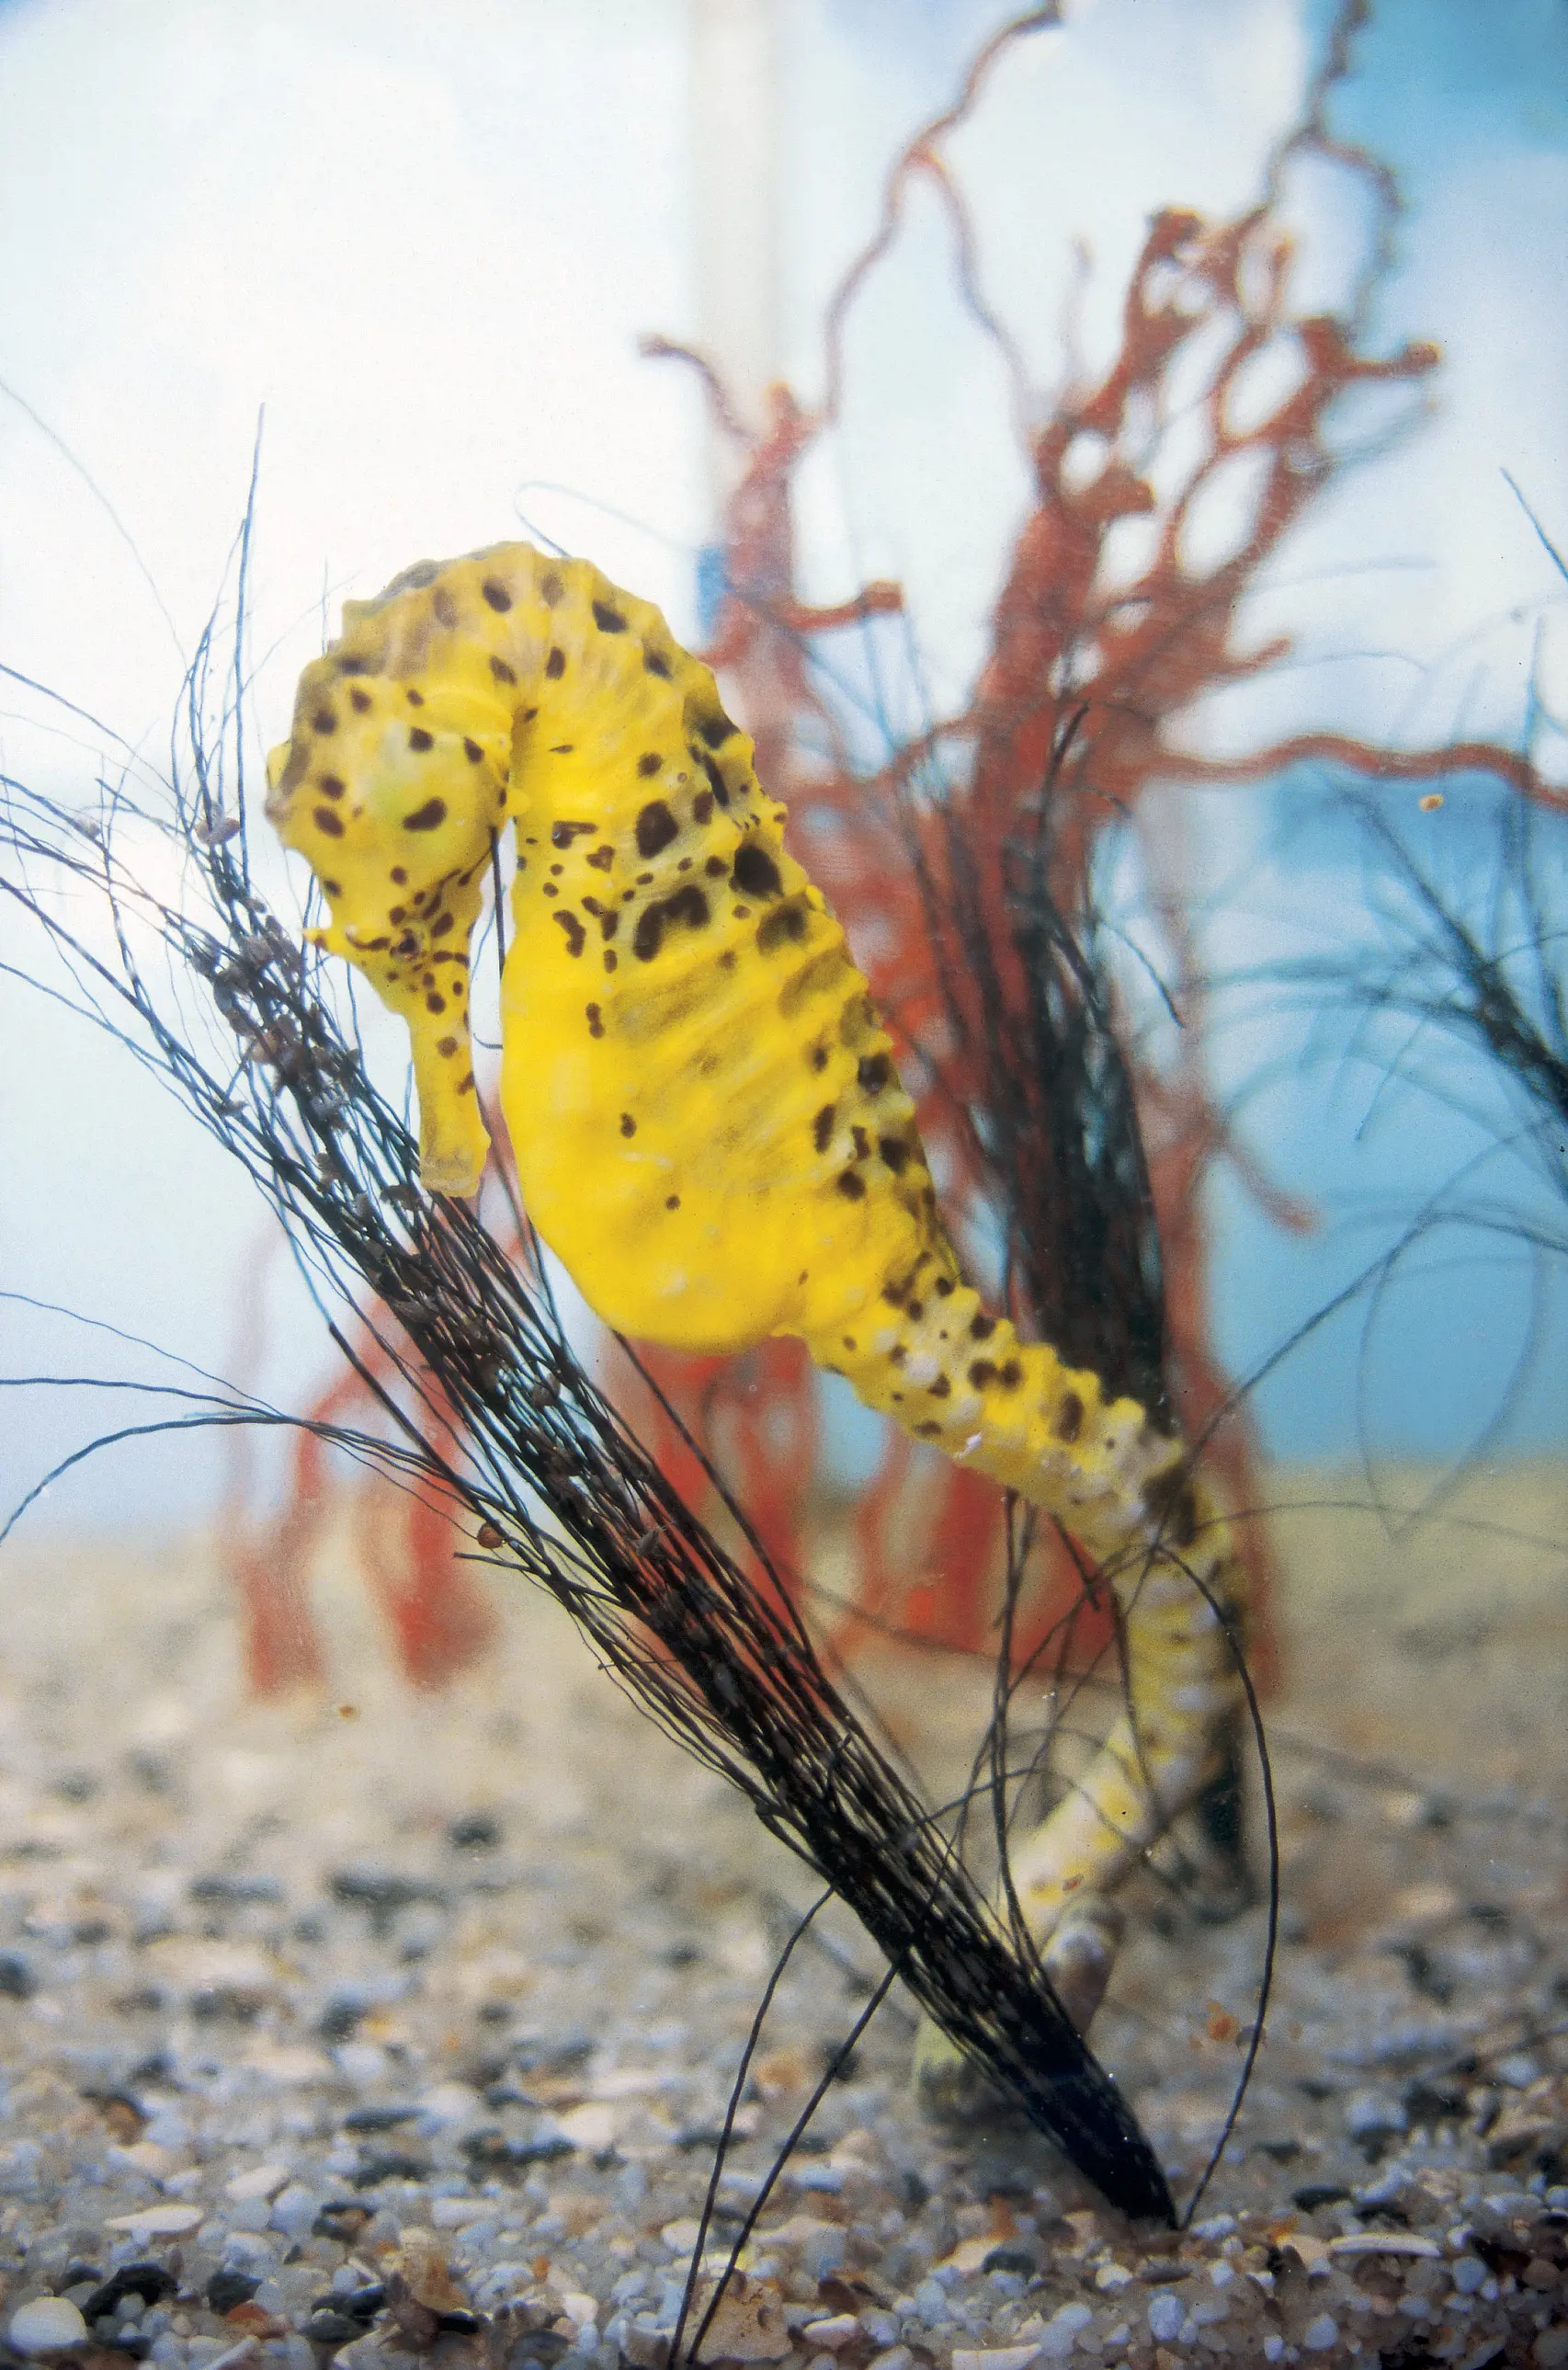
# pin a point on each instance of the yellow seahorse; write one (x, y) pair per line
(708, 1126)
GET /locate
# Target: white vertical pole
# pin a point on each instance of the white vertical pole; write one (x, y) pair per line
(736, 47)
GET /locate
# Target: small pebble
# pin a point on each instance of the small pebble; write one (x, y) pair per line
(294, 2210)
(160, 2221)
(1165, 2317)
(246, 2350)
(1375, 2114)
(1060, 2334)
(17, 1979)
(996, 2357)
(45, 2324)
(262, 2181)
(828, 2335)
(452, 2212)
(1320, 2334)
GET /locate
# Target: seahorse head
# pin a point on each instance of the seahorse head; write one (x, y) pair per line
(393, 783)
(393, 789)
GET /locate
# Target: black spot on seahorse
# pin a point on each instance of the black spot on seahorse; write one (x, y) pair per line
(649, 762)
(655, 663)
(628, 1124)
(686, 904)
(419, 740)
(716, 729)
(552, 591)
(849, 1186)
(874, 1070)
(428, 817)
(1171, 1503)
(555, 666)
(1069, 1421)
(895, 1152)
(656, 828)
(436, 1004)
(715, 867)
(497, 595)
(330, 786)
(982, 1327)
(756, 874)
(562, 748)
(609, 924)
(595, 1020)
(981, 1372)
(324, 719)
(703, 807)
(415, 698)
(360, 701)
(358, 662)
(822, 1127)
(862, 1144)
(502, 672)
(1011, 1375)
(471, 751)
(941, 1389)
(789, 922)
(445, 607)
(716, 782)
(561, 833)
(324, 819)
(608, 620)
(576, 936)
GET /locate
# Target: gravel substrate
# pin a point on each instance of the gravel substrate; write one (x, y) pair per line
(381, 2028)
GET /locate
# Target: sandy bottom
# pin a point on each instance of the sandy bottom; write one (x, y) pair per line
(280, 1983)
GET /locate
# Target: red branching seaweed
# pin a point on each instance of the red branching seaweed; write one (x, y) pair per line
(1068, 733)
(439, 1620)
